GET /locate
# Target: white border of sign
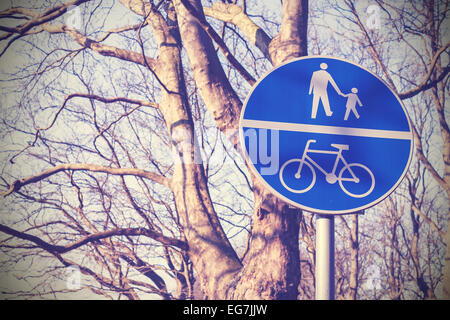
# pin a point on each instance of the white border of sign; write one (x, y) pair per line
(279, 195)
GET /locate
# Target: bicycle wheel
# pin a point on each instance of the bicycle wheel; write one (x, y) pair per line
(301, 184)
(360, 187)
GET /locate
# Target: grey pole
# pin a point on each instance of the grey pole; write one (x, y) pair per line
(325, 257)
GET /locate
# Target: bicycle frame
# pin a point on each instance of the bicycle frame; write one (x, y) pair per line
(333, 172)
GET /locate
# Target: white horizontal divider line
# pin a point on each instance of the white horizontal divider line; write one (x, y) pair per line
(299, 127)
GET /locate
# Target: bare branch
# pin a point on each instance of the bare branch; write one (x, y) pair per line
(372, 48)
(231, 13)
(37, 19)
(103, 49)
(8, 13)
(139, 7)
(219, 41)
(146, 270)
(101, 99)
(426, 162)
(88, 96)
(95, 237)
(427, 220)
(16, 185)
(426, 83)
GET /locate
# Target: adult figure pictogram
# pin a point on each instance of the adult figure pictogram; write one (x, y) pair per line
(318, 87)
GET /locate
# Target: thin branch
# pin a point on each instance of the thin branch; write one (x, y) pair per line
(98, 98)
(147, 270)
(372, 48)
(88, 96)
(427, 220)
(95, 237)
(16, 185)
(37, 19)
(237, 16)
(122, 29)
(102, 49)
(426, 162)
(426, 84)
(141, 44)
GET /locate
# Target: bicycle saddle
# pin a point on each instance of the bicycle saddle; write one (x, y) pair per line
(340, 146)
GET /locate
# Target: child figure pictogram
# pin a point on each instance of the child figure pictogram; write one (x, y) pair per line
(352, 99)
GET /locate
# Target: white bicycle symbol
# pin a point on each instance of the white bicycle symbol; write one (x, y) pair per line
(330, 177)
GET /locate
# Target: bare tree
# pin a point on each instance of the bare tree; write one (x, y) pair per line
(408, 48)
(185, 232)
(120, 153)
(411, 23)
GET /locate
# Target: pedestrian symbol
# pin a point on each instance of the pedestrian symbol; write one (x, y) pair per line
(351, 103)
(318, 86)
(340, 138)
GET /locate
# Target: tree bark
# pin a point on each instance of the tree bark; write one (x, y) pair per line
(272, 265)
(214, 259)
(291, 42)
(271, 269)
(210, 78)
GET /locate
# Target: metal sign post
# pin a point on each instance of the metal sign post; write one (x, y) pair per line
(325, 257)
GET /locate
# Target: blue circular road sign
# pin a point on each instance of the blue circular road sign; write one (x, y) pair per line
(326, 135)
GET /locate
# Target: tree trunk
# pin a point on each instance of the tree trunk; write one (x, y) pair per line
(272, 265)
(209, 250)
(271, 269)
